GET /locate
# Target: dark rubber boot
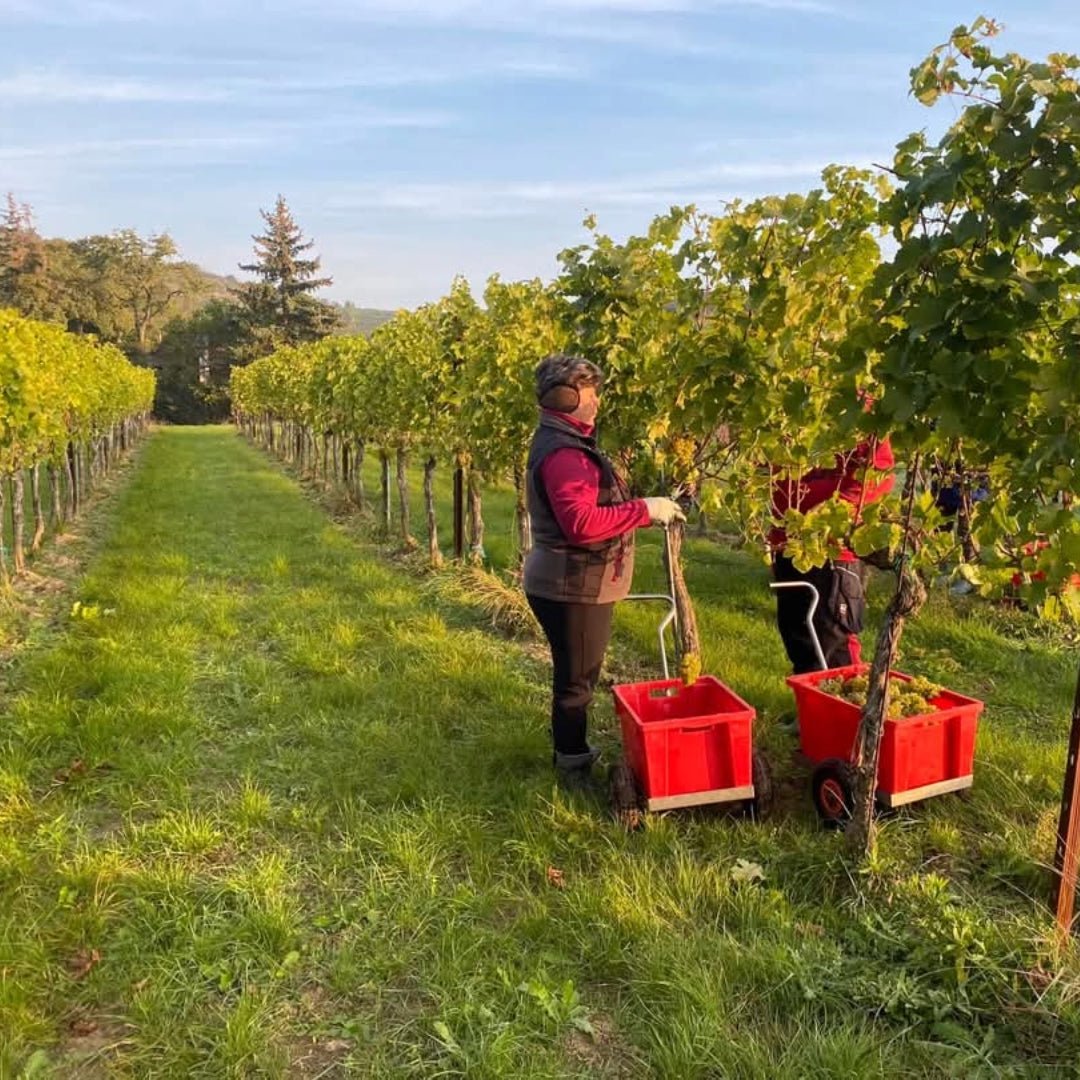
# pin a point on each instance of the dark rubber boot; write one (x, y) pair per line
(574, 771)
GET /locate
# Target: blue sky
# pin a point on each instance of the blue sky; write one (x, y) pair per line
(415, 139)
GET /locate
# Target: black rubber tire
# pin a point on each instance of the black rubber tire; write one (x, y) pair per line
(833, 788)
(760, 806)
(624, 795)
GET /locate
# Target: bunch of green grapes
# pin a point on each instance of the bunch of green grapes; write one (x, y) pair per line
(921, 685)
(853, 689)
(857, 686)
(909, 698)
(690, 668)
(907, 703)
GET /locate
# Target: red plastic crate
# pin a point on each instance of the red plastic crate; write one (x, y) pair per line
(916, 752)
(685, 740)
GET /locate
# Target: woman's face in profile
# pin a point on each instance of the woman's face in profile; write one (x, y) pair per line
(588, 404)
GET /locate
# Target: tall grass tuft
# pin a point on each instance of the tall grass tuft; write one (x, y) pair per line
(489, 592)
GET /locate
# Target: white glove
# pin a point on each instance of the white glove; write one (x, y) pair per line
(663, 511)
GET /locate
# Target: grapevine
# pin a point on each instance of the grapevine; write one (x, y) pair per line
(66, 403)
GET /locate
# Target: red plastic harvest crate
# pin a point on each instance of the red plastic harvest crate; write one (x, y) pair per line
(685, 739)
(915, 752)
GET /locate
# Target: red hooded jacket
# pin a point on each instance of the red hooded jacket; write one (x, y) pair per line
(848, 477)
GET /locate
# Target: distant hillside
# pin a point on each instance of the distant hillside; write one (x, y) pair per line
(218, 286)
(354, 320)
(360, 320)
(199, 288)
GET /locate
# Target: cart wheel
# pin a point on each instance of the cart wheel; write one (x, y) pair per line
(760, 806)
(833, 788)
(625, 796)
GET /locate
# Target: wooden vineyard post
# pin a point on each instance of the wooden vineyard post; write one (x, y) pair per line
(1067, 854)
(459, 513)
(384, 465)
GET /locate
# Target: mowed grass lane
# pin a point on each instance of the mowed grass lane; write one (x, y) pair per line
(267, 808)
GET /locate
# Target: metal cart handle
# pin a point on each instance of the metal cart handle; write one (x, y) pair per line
(673, 611)
(815, 596)
(667, 620)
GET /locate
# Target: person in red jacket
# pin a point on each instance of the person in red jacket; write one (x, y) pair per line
(582, 560)
(860, 477)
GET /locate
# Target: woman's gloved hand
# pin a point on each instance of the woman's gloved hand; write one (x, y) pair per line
(663, 511)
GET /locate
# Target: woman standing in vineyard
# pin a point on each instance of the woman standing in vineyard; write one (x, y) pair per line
(582, 559)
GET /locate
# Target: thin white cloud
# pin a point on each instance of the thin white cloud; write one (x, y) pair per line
(497, 11)
(390, 76)
(655, 25)
(60, 86)
(91, 151)
(664, 26)
(74, 12)
(203, 147)
(469, 12)
(655, 191)
(50, 85)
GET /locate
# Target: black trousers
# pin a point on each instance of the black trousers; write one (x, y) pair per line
(838, 619)
(578, 635)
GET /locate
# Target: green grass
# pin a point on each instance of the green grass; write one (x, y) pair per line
(268, 808)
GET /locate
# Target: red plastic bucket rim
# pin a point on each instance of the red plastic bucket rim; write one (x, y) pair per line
(739, 710)
(808, 681)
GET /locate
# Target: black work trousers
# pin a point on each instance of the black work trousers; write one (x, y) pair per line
(838, 619)
(578, 635)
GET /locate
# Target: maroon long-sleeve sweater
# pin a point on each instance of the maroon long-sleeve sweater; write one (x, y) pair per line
(572, 482)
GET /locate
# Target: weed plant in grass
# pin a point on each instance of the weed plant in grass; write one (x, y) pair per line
(272, 810)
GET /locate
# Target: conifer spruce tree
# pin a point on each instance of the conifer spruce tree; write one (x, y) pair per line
(280, 306)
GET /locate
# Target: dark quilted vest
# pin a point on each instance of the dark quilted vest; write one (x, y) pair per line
(554, 569)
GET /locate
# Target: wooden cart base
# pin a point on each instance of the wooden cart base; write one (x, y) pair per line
(700, 798)
(902, 798)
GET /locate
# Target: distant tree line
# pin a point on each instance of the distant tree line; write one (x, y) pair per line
(192, 327)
